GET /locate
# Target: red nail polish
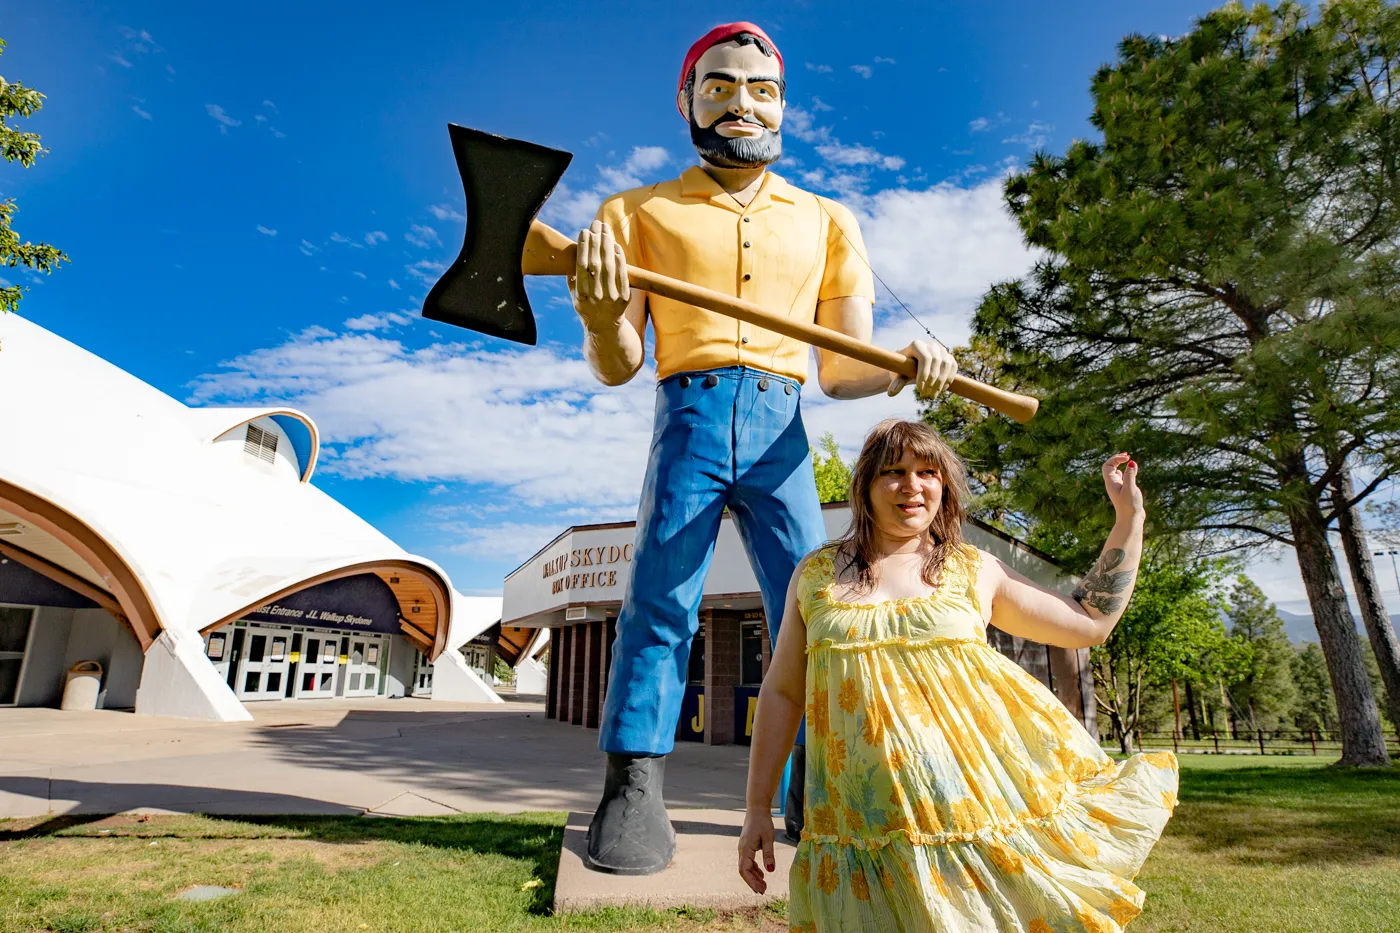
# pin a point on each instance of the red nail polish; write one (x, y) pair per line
(1133, 464)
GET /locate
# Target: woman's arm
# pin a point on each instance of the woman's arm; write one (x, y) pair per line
(1021, 607)
(781, 703)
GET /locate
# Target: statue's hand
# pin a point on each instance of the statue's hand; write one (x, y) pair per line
(936, 369)
(599, 283)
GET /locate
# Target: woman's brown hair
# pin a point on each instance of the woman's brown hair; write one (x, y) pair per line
(886, 444)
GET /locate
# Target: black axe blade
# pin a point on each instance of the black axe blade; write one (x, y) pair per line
(506, 182)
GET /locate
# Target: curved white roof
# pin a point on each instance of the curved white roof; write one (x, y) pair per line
(207, 530)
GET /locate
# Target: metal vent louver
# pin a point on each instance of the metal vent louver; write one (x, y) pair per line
(261, 444)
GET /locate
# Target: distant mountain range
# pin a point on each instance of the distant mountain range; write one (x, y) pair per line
(1301, 628)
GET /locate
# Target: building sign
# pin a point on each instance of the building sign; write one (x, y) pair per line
(745, 705)
(691, 727)
(362, 603)
(578, 562)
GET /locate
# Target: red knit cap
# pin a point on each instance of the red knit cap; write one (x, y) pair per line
(713, 38)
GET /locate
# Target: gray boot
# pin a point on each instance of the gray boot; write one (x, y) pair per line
(630, 833)
(793, 817)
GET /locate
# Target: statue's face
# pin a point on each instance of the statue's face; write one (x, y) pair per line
(736, 112)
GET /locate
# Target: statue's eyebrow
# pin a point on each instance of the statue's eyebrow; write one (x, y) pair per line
(734, 79)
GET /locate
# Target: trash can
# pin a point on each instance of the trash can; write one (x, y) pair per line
(84, 681)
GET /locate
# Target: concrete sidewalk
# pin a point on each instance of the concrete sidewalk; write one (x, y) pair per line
(388, 757)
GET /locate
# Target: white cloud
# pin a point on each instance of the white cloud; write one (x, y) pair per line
(571, 209)
(117, 57)
(865, 71)
(982, 124)
(800, 124)
(339, 238)
(940, 248)
(509, 541)
(394, 285)
(376, 236)
(141, 113)
(266, 231)
(359, 275)
(378, 321)
(1033, 138)
(422, 236)
(820, 69)
(222, 118)
(446, 212)
(509, 420)
(821, 106)
(307, 248)
(426, 271)
(836, 153)
(881, 60)
(271, 106)
(259, 118)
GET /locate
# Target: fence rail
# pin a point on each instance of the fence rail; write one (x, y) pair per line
(1245, 742)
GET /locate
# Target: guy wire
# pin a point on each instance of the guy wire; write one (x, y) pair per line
(861, 254)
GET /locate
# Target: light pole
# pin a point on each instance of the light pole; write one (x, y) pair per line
(1393, 566)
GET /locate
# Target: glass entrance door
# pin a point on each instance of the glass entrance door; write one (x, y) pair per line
(15, 623)
(362, 668)
(422, 675)
(316, 670)
(262, 670)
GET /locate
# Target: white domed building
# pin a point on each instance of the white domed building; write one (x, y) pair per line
(186, 551)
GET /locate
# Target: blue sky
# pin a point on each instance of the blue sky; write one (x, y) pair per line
(256, 197)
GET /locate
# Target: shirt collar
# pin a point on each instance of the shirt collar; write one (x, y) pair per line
(695, 183)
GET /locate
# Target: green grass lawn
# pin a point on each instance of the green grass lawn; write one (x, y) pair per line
(1258, 845)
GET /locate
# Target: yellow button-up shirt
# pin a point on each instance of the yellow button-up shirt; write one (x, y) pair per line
(786, 251)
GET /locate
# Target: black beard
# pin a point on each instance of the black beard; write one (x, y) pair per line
(738, 152)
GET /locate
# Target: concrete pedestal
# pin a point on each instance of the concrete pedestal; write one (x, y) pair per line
(703, 874)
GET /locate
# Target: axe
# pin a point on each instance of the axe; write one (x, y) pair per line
(508, 180)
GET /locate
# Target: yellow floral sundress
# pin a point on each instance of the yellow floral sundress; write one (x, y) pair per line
(947, 789)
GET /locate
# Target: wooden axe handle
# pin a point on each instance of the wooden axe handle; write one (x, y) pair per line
(549, 252)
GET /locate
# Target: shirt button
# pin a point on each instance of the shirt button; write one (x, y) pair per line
(746, 220)
(747, 276)
(746, 244)
(743, 340)
(763, 385)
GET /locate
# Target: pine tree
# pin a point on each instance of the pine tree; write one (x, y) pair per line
(1314, 707)
(1216, 297)
(1260, 683)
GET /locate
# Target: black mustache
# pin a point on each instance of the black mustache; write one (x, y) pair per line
(735, 119)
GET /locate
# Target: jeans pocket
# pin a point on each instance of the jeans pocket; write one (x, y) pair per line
(779, 399)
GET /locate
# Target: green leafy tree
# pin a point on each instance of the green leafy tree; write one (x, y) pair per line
(1259, 680)
(1170, 630)
(16, 100)
(984, 440)
(1216, 296)
(833, 473)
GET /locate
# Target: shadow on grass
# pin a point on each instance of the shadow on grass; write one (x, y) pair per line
(1303, 816)
(532, 838)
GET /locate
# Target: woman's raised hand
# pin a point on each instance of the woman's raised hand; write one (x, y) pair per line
(1122, 486)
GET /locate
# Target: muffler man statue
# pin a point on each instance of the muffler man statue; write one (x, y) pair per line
(728, 430)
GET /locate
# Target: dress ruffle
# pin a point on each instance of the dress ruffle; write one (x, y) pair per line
(947, 789)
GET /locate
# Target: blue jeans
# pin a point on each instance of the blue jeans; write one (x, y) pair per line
(737, 443)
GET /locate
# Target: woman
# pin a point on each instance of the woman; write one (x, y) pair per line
(947, 789)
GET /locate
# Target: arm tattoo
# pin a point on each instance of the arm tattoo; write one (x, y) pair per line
(1099, 589)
